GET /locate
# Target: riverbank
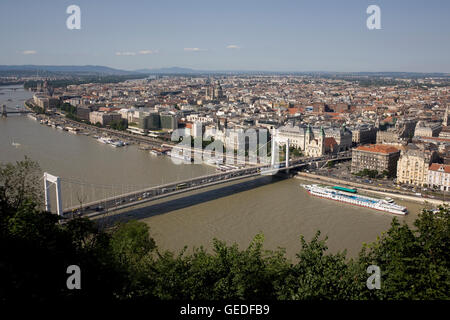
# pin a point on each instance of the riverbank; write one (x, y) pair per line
(368, 189)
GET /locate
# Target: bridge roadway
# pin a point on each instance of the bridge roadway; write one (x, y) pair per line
(5, 111)
(18, 111)
(130, 199)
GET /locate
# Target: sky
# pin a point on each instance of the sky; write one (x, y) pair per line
(276, 35)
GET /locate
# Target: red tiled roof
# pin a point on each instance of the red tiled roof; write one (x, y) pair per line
(330, 141)
(294, 110)
(435, 139)
(108, 109)
(378, 148)
(438, 166)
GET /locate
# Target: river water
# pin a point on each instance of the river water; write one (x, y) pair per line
(280, 209)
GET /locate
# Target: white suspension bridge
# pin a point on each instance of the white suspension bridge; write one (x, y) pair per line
(92, 199)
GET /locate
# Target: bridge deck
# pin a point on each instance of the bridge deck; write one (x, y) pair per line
(174, 188)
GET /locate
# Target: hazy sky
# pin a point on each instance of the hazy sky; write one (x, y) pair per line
(274, 35)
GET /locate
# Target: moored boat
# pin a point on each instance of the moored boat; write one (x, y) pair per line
(363, 201)
(104, 140)
(155, 152)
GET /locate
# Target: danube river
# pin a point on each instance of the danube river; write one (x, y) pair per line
(280, 209)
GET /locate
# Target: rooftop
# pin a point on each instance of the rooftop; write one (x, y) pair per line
(378, 148)
(440, 167)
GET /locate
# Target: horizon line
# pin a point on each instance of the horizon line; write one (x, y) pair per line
(216, 70)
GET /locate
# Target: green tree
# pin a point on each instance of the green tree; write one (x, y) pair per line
(35, 249)
(319, 275)
(19, 184)
(415, 262)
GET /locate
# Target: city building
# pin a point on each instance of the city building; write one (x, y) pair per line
(314, 147)
(104, 118)
(403, 131)
(152, 121)
(169, 121)
(424, 129)
(197, 129)
(83, 113)
(439, 176)
(445, 133)
(45, 102)
(382, 158)
(364, 134)
(295, 134)
(412, 167)
(214, 92)
(342, 137)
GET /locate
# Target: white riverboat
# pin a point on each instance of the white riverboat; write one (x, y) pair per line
(358, 200)
(154, 152)
(104, 140)
(176, 155)
(116, 143)
(72, 130)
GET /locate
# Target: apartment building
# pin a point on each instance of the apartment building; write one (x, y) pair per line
(375, 157)
(439, 176)
(413, 165)
(104, 118)
(424, 129)
(364, 134)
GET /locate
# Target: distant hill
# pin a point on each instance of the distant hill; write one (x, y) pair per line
(171, 70)
(88, 69)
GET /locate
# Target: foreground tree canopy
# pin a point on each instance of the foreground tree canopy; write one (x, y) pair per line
(124, 262)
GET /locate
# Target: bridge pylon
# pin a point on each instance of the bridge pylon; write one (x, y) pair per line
(287, 156)
(275, 144)
(4, 112)
(48, 178)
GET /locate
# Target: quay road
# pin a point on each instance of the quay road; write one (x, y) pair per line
(130, 199)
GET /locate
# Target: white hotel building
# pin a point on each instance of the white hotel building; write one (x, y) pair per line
(439, 176)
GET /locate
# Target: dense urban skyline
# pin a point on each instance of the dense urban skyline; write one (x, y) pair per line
(263, 35)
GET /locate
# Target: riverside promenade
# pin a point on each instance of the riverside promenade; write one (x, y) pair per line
(369, 189)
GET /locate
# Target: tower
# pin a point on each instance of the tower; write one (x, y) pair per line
(377, 123)
(218, 92)
(321, 141)
(308, 137)
(446, 115)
